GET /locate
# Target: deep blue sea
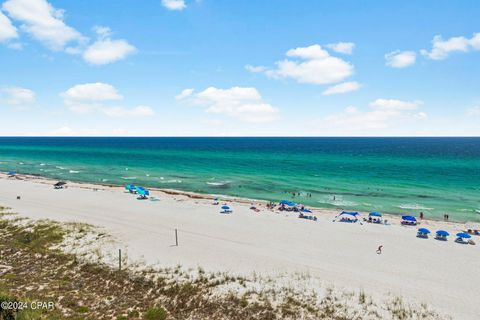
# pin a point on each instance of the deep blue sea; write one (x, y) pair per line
(392, 175)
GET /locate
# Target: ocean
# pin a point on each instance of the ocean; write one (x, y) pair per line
(390, 175)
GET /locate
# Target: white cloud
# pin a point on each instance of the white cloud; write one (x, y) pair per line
(342, 88)
(102, 32)
(68, 131)
(43, 22)
(474, 111)
(174, 4)
(7, 30)
(15, 46)
(382, 114)
(139, 111)
(397, 59)
(97, 97)
(311, 65)
(342, 47)
(184, 94)
(243, 103)
(393, 104)
(105, 50)
(46, 24)
(16, 96)
(442, 48)
(92, 92)
(420, 115)
(255, 69)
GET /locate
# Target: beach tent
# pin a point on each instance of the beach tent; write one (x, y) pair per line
(354, 214)
(409, 220)
(347, 216)
(374, 217)
(442, 235)
(423, 233)
(288, 203)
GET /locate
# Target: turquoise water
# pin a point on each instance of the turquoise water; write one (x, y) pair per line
(392, 175)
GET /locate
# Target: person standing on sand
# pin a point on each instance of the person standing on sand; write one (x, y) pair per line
(379, 250)
(421, 215)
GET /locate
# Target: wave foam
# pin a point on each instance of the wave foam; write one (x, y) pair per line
(414, 207)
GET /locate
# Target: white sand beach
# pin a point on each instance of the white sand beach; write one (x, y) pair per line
(444, 275)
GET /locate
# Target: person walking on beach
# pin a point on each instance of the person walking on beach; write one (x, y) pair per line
(421, 215)
(379, 250)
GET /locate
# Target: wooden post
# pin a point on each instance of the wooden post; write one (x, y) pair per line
(119, 259)
(176, 237)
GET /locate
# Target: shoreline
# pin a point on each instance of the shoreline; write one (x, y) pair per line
(224, 198)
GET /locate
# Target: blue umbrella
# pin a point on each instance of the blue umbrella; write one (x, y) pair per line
(288, 203)
(409, 218)
(463, 235)
(423, 230)
(142, 191)
(11, 173)
(374, 214)
(306, 210)
(130, 187)
(225, 207)
(442, 233)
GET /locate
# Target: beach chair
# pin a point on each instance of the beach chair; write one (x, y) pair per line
(441, 238)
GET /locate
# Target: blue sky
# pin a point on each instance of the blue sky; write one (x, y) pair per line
(218, 67)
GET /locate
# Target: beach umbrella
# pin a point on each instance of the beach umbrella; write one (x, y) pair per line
(11, 173)
(423, 230)
(306, 210)
(225, 207)
(130, 187)
(374, 214)
(288, 203)
(60, 183)
(442, 233)
(409, 218)
(142, 191)
(463, 235)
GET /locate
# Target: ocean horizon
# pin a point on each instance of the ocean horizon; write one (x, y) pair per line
(396, 175)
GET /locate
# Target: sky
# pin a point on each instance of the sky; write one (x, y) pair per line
(239, 68)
